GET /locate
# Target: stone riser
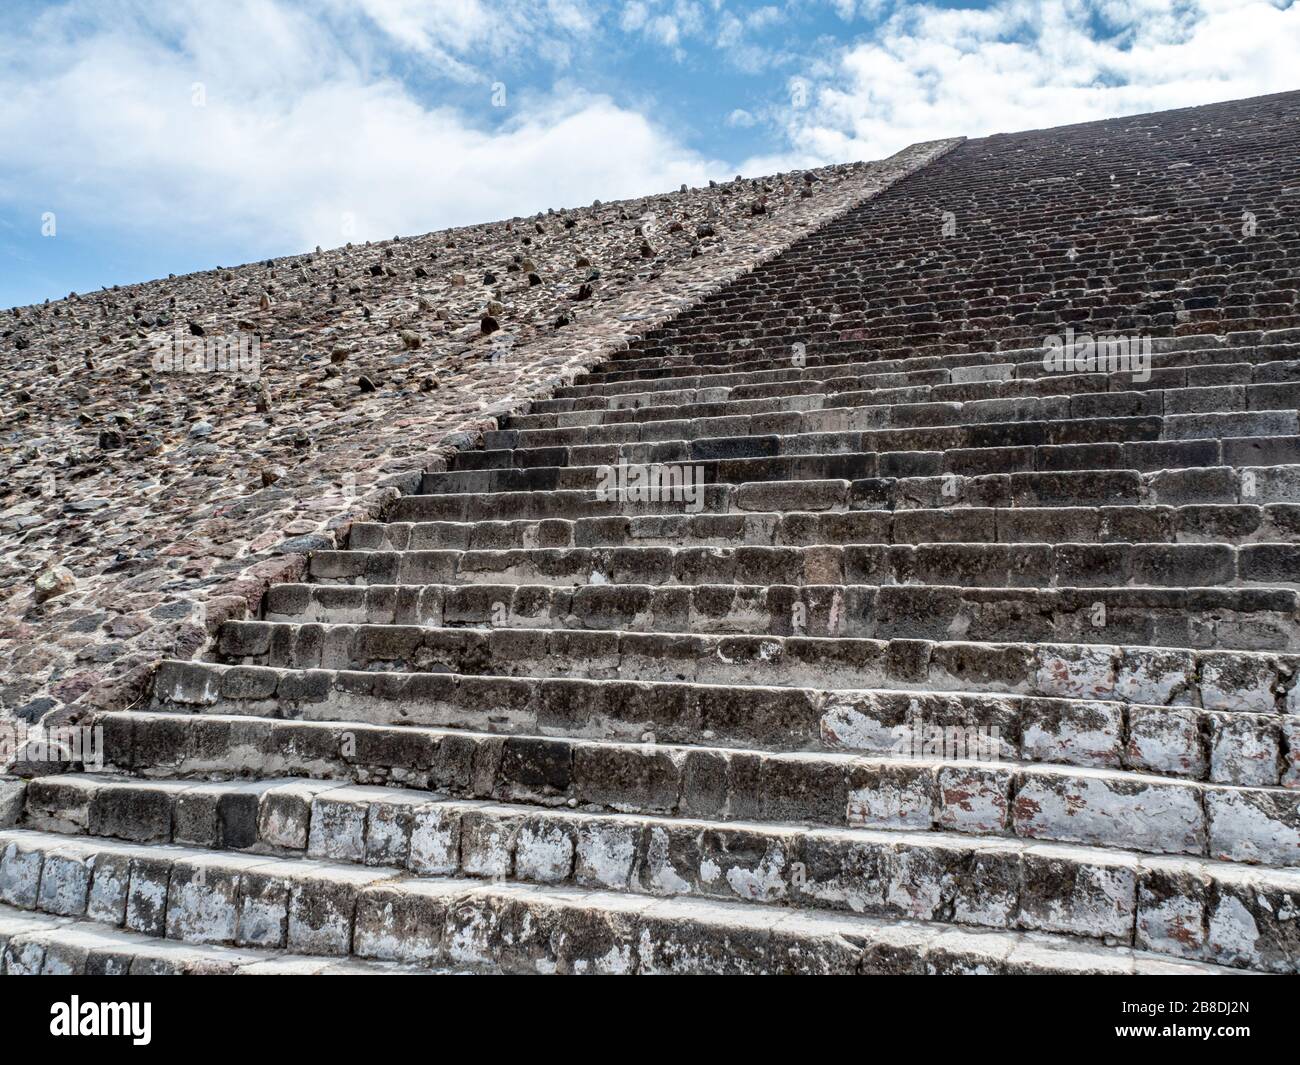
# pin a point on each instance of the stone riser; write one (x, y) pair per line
(1157, 815)
(1112, 896)
(1064, 565)
(1238, 524)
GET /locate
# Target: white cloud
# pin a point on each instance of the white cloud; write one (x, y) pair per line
(933, 72)
(635, 15)
(453, 34)
(668, 23)
(762, 17)
(300, 128)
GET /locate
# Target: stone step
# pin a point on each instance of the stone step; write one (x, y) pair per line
(1241, 524)
(1225, 747)
(892, 408)
(889, 409)
(970, 565)
(1188, 440)
(333, 910)
(1233, 386)
(911, 454)
(655, 374)
(993, 375)
(717, 347)
(870, 481)
(778, 354)
(41, 944)
(1252, 485)
(1094, 807)
(1117, 897)
(1256, 618)
(1235, 681)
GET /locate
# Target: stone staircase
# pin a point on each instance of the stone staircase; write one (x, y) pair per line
(936, 661)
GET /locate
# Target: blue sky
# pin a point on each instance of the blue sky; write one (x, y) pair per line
(145, 137)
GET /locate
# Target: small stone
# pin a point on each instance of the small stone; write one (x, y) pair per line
(55, 581)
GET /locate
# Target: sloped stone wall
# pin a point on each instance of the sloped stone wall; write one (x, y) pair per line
(142, 502)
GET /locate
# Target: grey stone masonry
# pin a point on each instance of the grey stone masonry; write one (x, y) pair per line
(152, 484)
(835, 623)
